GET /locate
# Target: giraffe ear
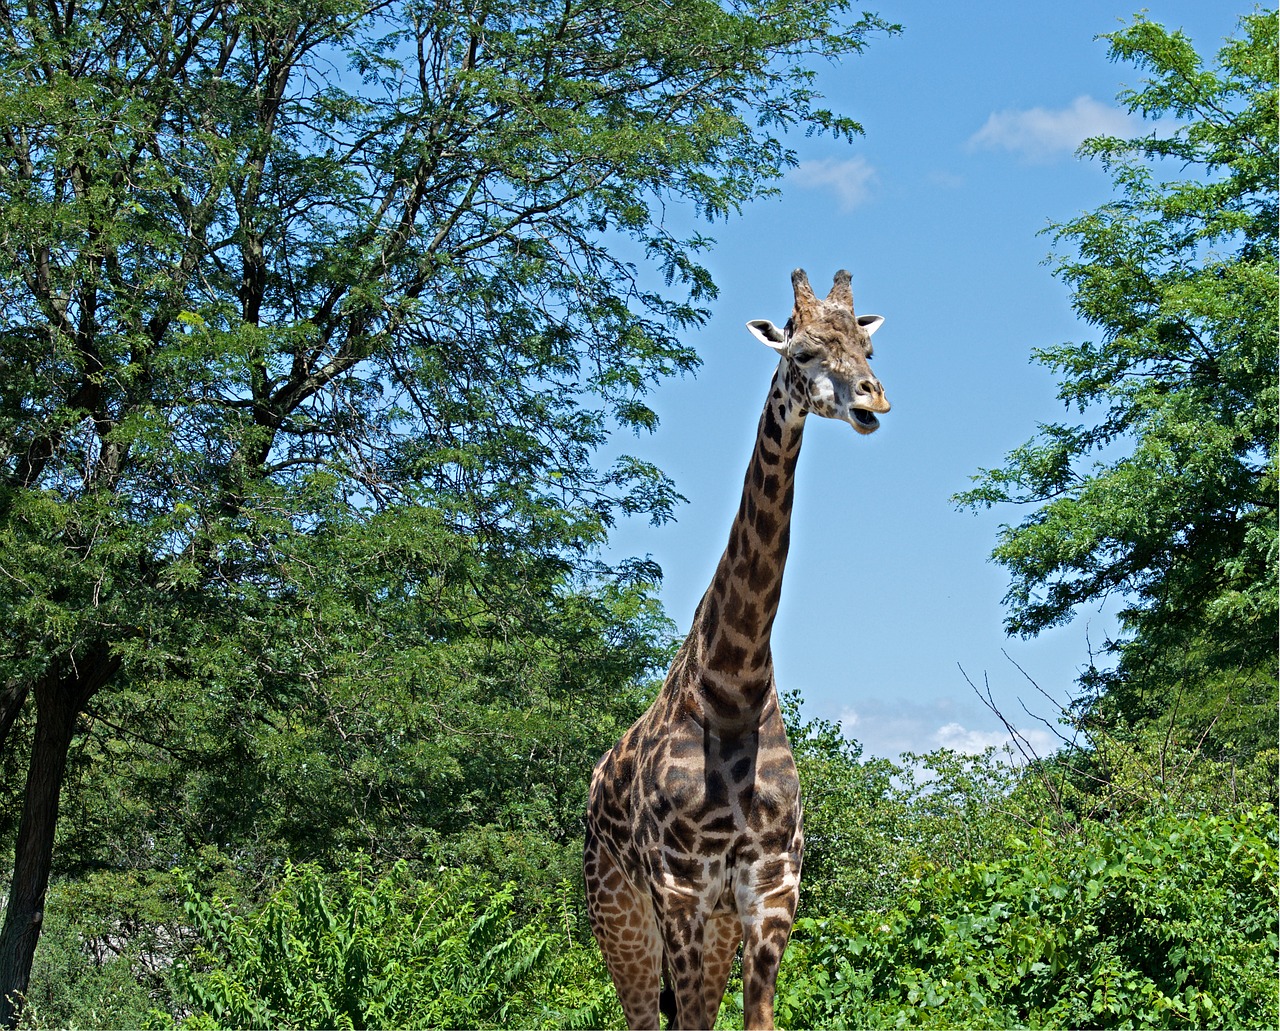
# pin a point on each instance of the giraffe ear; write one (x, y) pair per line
(768, 334)
(870, 322)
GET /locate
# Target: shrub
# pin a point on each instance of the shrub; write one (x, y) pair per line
(1167, 922)
(352, 951)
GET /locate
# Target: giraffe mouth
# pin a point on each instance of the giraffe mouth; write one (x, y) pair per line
(864, 421)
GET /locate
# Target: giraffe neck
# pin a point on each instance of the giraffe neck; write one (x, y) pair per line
(733, 624)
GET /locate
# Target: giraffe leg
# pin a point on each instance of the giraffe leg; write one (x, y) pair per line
(684, 923)
(766, 926)
(626, 930)
(723, 935)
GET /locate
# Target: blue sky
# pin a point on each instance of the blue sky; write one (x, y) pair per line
(972, 116)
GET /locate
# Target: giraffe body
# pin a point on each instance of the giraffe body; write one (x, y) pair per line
(694, 832)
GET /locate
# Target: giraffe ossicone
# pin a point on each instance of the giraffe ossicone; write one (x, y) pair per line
(694, 834)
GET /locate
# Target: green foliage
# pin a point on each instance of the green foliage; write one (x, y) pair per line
(869, 823)
(109, 943)
(89, 976)
(1166, 495)
(854, 813)
(472, 748)
(1122, 882)
(953, 891)
(1118, 773)
(316, 319)
(352, 951)
(1166, 922)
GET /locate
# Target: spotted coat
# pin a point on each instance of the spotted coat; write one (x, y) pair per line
(694, 833)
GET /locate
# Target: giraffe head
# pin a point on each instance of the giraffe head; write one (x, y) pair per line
(826, 348)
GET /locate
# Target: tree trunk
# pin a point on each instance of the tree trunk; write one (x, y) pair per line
(12, 698)
(59, 701)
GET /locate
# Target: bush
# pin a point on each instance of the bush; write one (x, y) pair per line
(1167, 922)
(869, 821)
(105, 952)
(352, 951)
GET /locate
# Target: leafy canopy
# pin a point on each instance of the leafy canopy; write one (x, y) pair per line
(314, 320)
(271, 278)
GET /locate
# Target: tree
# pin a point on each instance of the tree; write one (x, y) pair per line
(280, 281)
(1166, 496)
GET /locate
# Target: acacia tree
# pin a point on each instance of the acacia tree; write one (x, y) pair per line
(1177, 517)
(273, 271)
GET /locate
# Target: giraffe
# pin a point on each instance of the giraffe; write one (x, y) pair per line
(694, 837)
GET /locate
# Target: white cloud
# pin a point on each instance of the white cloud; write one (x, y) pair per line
(849, 718)
(889, 727)
(973, 742)
(850, 180)
(1041, 134)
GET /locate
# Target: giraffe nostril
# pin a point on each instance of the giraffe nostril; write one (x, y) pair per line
(870, 386)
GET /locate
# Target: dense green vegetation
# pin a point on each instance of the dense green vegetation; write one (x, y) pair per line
(1112, 925)
(306, 647)
(970, 898)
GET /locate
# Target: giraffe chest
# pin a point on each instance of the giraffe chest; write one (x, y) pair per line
(701, 811)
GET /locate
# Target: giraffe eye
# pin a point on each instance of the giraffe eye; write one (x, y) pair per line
(804, 356)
